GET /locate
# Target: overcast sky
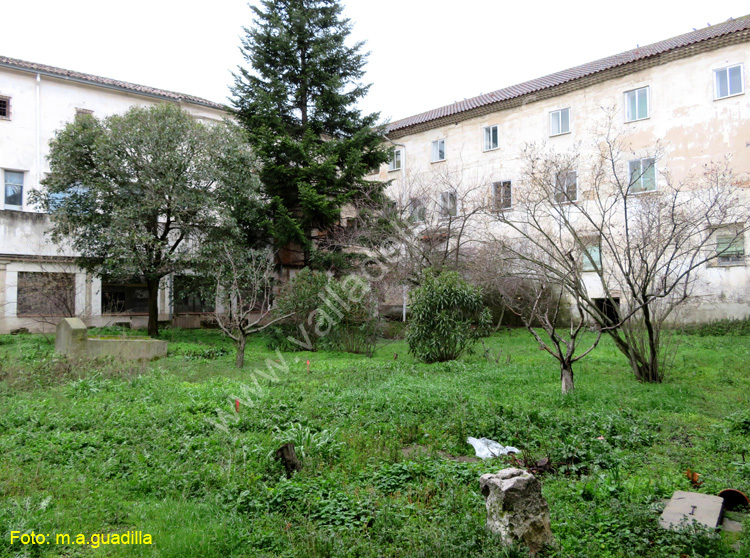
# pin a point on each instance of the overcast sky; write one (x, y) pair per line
(424, 53)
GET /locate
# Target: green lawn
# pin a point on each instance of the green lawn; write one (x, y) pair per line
(107, 448)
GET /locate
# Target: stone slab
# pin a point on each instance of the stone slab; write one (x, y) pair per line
(127, 349)
(692, 506)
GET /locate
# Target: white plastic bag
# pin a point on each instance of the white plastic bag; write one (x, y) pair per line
(486, 448)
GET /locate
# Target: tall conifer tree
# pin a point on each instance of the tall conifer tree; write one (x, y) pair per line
(298, 103)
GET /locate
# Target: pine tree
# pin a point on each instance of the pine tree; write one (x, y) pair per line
(298, 104)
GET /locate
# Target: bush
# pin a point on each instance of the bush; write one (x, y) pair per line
(298, 297)
(349, 322)
(447, 317)
(340, 315)
(725, 327)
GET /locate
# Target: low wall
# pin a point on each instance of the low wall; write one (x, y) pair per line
(72, 339)
(127, 348)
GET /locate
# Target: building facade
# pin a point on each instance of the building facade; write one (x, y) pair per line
(677, 105)
(39, 281)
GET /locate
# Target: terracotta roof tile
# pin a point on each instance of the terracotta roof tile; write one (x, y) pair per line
(558, 78)
(107, 82)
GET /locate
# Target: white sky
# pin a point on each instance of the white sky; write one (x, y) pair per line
(424, 53)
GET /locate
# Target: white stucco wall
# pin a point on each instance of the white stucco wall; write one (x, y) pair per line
(41, 105)
(685, 121)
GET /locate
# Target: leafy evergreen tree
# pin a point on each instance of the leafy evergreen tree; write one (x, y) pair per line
(298, 104)
(134, 193)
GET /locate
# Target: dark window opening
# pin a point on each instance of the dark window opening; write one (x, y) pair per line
(610, 307)
(129, 298)
(5, 107)
(46, 294)
(187, 296)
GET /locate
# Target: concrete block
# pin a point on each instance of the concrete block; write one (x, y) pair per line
(127, 349)
(692, 506)
(70, 337)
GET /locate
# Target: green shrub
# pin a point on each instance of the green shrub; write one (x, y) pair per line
(298, 297)
(340, 315)
(447, 317)
(349, 320)
(731, 327)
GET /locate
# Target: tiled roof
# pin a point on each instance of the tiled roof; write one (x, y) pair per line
(106, 82)
(552, 80)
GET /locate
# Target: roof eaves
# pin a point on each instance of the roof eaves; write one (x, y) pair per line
(89, 79)
(572, 74)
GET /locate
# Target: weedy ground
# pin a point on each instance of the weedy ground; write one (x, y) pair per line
(105, 447)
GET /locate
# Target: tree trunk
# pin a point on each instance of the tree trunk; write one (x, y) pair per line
(288, 457)
(153, 307)
(566, 376)
(241, 342)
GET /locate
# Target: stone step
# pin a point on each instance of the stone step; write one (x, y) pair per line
(692, 506)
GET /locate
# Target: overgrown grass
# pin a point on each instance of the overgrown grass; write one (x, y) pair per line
(104, 447)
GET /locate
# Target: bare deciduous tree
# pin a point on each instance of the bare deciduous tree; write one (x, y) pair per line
(242, 280)
(535, 296)
(434, 224)
(627, 244)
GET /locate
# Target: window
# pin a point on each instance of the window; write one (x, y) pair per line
(395, 161)
(46, 294)
(124, 298)
(592, 257)
(438, 150)
(559, 122)
(642, 175)
(5, 108)
(610, 307)
(187, 298)
(417, 210)
(729, 81)
(566, 187)
(730, 246)
(636, 104)
(13, 189)
(502, 195)
(491, 140)
(448, 204)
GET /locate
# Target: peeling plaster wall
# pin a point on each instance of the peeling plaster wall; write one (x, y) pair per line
(685, 121)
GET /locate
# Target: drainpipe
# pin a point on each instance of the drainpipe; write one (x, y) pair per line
(38, 131)
(403, 205)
